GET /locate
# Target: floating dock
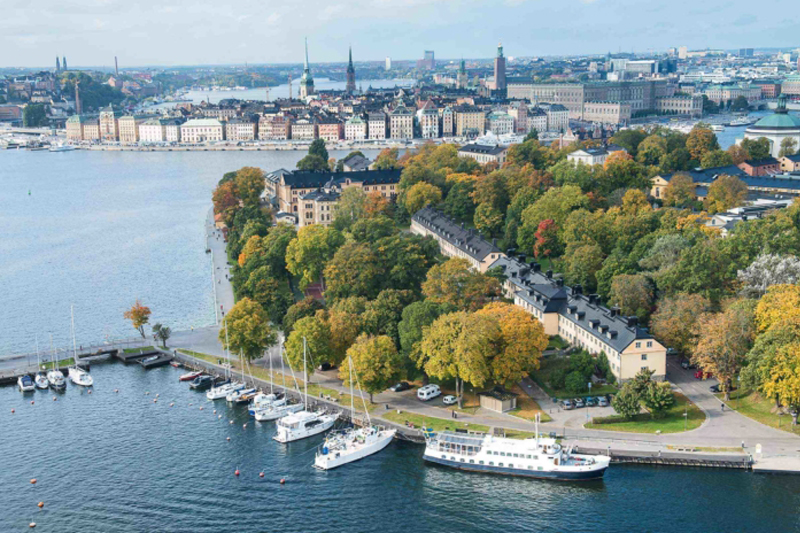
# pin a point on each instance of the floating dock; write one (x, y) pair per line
(162, 360)
(708, 460)
(130, 357)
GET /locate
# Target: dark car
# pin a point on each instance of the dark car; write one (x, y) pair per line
(590, 402)
(325, 367)
(714, 388)
(685, 364)
(400, 387)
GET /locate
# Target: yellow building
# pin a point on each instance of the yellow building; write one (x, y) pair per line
(470, 121)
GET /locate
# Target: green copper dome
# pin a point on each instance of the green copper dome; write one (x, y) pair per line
(779, 121)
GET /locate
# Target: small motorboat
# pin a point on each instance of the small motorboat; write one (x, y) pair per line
(201, 382)
(236, 395)
(149, 359)
(56, 380)
(247, 397)
(80, 377)
(221, 389)
(190, 376)
(40, 379)
(25, 383)
(263, 401)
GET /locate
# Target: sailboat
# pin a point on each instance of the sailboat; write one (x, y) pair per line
(221, 390)
(278, 409)
(55, 378)
(353, 443)
(236, 395)
(262, 400)
(305, 423)
(77, 375)
(40, 379)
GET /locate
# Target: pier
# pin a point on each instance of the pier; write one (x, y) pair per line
(670, 458)
(131, 357)
(161, 360)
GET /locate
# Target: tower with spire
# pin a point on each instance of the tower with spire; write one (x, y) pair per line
(58, 64)
(64, 63)
(500, 71)
(306, 81)
(351, 75)
(461, 77)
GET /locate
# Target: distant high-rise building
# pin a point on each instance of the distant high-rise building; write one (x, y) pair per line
(58, 64)
(388, 63)
(351, 75)
(116, 67)
(64, 63)
(500, 70)
(78, 108)
(306, 81)
(683, 52)
(428, 60)
(745, 52)
(461, 78)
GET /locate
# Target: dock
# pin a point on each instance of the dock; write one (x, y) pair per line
(130, 357)
(161, 360)
(672, 458)
(777, 465)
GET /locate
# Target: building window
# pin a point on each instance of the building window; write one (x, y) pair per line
(638, 344)
(644, 357)
(649, 344)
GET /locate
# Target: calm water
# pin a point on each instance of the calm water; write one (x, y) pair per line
(282, 91)
(100, 229)
(117, 462)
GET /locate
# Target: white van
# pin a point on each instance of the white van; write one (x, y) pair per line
(428, 392)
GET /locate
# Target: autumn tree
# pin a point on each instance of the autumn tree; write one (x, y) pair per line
(307, 255)
(780, 304)
(651, 150)
(250, 183)
(556, 204)
(633, 293)
(224, 197)
(317, 334)
(375, 362)
(455, 284)
(522, 341)
(674, 320)
(680, 192)
(783, 380)
(547, 242)
(701, 140)
(304, 308)
(246, 330)
(421, 194)
(139, 315)
(723, 340)
(376, 205)
(757, 148)
(581, 262)
(488, 220)
(354, 270)
(725, 192)
(346, 324)
(387, 159)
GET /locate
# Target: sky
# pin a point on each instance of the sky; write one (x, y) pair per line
(192, 32)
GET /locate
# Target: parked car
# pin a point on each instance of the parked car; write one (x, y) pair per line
(672, 351)
(602, 402)
(449, 400)
(703, 375)
(567, 405)
(578, 402)
(325, 367)
(590, 402)
(714, 388)
(685, 364)
(400, 387)
(428, 392)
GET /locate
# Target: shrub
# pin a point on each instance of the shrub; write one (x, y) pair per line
(558, 378)
(575, 383)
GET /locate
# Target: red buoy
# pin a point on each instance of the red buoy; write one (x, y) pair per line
(55, 399)
(13, 411)
(31, 402)
(33, 481)
(283, 481)
(261, 474)
(201, 408)
(40, 505)
(155, 400)
(236, 473)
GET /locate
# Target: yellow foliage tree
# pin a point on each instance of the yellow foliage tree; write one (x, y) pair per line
(376, 363)
(139, 315)
(780, 303)
(784, 378)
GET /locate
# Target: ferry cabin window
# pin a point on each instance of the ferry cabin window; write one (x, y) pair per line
(503, 454)
(510, 465)
(516, 455)
(491, 463)
(480, 462)
(539, 468)
(444, 456)
(472, 461)
(499, 464)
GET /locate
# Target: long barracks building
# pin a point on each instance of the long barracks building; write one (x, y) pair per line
(578, 318)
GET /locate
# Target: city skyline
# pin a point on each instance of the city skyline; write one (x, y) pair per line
(259, 34)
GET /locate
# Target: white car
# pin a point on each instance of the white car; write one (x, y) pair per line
(449, 400)
(428, 392)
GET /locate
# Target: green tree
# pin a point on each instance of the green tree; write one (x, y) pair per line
(488, 220)
(788, 147)
(629, 139)
(34, 115)
(313, 163)
(317, 334)
(350, 208)
(405, 260)
(161, 333)
(459, 205)
(556, 204)
(375, 362)
(273, 295)
(421, 194)
(415, 317)
(307, 255)
(701, 140)
(716, 158)
(740, 103)
(382, 315)
(249, 185)
(575, 383)
(658, 398)
(304, 308)
(633, 294)
(626, 402)
(680, 192)
(387, 159)
(757, 148)
(651, 150)
(724, 193)
(354, 270)
(246, 330)
(581, 263)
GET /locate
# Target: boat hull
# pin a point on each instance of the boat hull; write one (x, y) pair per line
(558, 475)
(285, 435)
(274, 414)
(333, 460)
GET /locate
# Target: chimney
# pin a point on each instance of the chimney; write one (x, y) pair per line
(614, 311)
(560, 282)
(77, 98)
(522, 258)
(577, 289)
(494, 242)
(536, 267)
(549, 274)
(632, 321)
(594, 298)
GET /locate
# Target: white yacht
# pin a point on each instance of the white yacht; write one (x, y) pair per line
(40, 380)
(263, 401)
(304, 424)
(275, 412)
(717, 127)
(222, 390)
(55, 378)
(536, 457)
(77, 375)
(25, 383)
(353, 443)
(62, 148)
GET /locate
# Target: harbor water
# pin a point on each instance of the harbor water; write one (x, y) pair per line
(117, 462)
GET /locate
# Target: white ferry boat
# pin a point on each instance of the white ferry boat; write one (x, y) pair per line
(539, 457)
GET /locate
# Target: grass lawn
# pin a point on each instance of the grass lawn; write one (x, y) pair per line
(59, 364)
(556, 343)
(754, 405)
(673, 422)
(440, 424)
(527, 407)
(137, 350)
(550, 365)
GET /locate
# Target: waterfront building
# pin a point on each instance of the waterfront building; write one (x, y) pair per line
(791, 85)
(607, 112)
(691, 105)
(172, 130)
(484, 154)
(428, 120)
(304, 129)
(275, 127)
(447, 121)
(594, 156)
(376, 125)
(500, 71)
(401, 123)
(306, 81)
(388, 65)
(241, 129)
(317, 207)
(725, 94)
(287, 187)
(776, 127)
(153, 131)
(470, 121)
(91, 129)
(580, 319)
(499, 123)
(351, 75)
(355, 129)
(75, 128)
(201, 130)
(109, 128)
(330, 129)
(129, 128)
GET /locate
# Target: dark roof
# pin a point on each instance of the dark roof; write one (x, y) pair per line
(467, 240)
(707, 175)
(482, 149)
(519, 80)
(357, 162)
(793, 158)
(305, 179)
(762, 162)
(321, 196)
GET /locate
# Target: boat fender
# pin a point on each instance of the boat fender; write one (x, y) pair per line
(228, 439)
(55, 399)
(201, 407)
(155, 400)
(215, 411)
(244, 426)
(32, 524)
(219, 416)
(283, 481)
(171, 404)
(231, 421)
(90, 391)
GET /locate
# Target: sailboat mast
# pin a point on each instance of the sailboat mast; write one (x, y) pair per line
(227, 351)
(38, 362)
(74, 343)
(269, 356)
(52, 352)
(305, 371)
(352, 405)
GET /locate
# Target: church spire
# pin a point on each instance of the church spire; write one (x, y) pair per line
(305, 65)
(350, 87)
